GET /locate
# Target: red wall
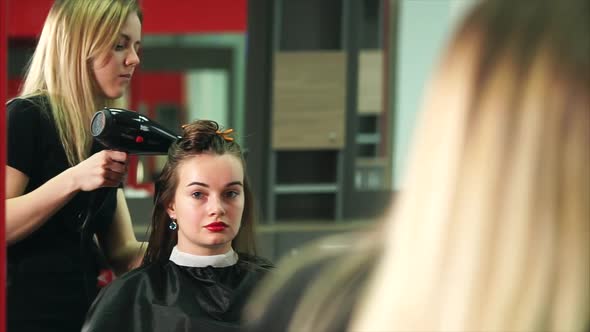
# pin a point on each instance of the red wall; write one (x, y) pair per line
(189, 16)
(160, 17)
(3, 80)
(157, 87)
(26, 17)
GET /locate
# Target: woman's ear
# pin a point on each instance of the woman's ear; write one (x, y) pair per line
(171, 211)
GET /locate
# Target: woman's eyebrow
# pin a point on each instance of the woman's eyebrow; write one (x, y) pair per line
(128, 38)
(196, 183)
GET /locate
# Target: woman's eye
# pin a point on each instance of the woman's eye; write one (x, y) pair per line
(197, 195)
(231, 194)
(119, 47)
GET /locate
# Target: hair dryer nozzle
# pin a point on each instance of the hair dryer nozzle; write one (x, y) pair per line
(120, 129)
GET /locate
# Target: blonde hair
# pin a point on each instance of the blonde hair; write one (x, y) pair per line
(74, 33)
(496, 236)
(491, 231)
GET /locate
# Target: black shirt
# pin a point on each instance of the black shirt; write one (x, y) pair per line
(51, 275)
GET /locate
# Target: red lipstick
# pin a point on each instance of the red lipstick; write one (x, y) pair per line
(217, 226)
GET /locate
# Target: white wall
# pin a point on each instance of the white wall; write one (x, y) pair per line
(424, 27)
(207, 95)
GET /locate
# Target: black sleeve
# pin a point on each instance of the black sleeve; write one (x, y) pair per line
(23, 129)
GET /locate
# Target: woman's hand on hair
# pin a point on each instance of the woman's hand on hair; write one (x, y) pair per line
(103, 169)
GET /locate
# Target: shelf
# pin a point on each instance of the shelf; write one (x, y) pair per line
(368, 138)
(311, 188)
(305, 185)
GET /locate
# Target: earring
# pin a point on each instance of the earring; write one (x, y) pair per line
(173, 225)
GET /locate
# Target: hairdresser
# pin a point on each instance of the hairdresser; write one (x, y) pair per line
(58, 227)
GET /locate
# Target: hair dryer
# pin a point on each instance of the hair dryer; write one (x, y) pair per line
(119, 129)
(129, 131)
(123, 130)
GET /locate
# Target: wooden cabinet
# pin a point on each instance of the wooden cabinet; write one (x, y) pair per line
(326, 80)
(309, 100)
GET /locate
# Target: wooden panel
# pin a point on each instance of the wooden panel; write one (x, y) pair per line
(309, 100)
(370, 84)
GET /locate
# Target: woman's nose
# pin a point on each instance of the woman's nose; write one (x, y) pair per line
(132, 58)
(215, 206)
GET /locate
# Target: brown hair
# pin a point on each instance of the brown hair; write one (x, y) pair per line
(199, 137)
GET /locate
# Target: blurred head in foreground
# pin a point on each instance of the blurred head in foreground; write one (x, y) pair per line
(492, 228)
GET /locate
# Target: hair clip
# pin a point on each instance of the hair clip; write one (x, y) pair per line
(225, 134)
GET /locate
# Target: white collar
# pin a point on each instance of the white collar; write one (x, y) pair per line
(185, 259)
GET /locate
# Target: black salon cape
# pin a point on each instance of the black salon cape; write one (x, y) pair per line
(169, 297)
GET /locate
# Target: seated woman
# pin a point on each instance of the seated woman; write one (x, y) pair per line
(191, 277)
